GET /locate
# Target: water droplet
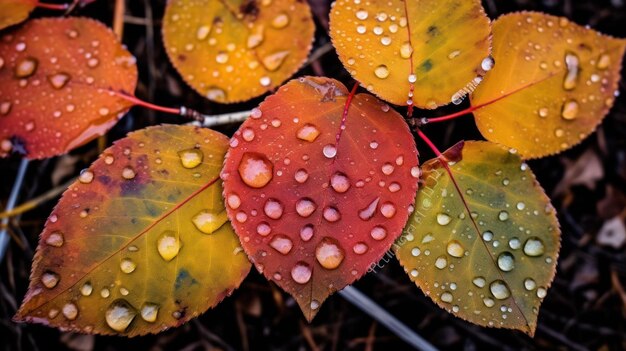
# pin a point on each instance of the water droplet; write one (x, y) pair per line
(543, 112)
(149, 312)
(168, 245)
(515, 243)
(487, 64)
(329, 151)
(305, 207)
(127, 265)
(280, 21)
(369, 211)
(216, 94)
(55, 239)
(455, 249)
(387, 168)
(340, 182)
(441, 262)
(570, 110)
(381, 72)
(255, 169)
(59, 80)
(26, 67)
(362, 14)
(308, 132)
(50, 279)
(306, 232)
(233, 201)
(534, 247)
(520, 206)
(105, 293)
(603, 62)
(412, 78)
(378, 233)
(331, 214)
(85, 176)
(571, 77)
(385, 40)
(329, 253)
(301, 176)
(191, 158)
(506, 261)
(5, 107)
(119, 315)
(263, 229)
(265, 81)
(446, 297)
(70, 311)
(208, 221)
(388, 209)
(86, 289)
(247, 134)
(443, 219)
(479, 282)
(529, 284)
(203, 32)
(360, 248)
(499, 289)
(406, 50)
(128, 173)
(93, 62)
(301, 272)
(541, 293)
(503, 216)
(221, 57)
(489, 302)
(273, 61)
(281, 243)
(273, 208)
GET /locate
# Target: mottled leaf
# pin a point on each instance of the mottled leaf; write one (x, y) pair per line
(487, 254)
(315, 204)
(233, 50)
(426, 52)
(15, 11)
(55, 77)
(141, 241)
(553, 83)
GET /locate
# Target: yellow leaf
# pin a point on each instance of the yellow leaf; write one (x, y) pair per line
(553, 83)
(427, 51)
(486, 252)
(140, 242)
(15, 11)
(233, 50)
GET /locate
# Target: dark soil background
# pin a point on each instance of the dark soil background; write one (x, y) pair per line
(585, 309)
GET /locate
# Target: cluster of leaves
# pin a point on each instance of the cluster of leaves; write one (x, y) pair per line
(319, 182)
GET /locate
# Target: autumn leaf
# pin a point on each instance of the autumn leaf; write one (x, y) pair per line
(233, 50)
(15, 11)
(427, 53)
(316, 202)
(141, 242)
(487, 250)
(553, 83)
(56, 75)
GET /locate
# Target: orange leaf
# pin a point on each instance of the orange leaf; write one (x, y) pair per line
(553, 83)
(55, 74)
(315, 204)
(230, 51)
(428, 52)
(15, 11)
(141, 241)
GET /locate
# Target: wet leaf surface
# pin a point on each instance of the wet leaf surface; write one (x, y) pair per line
(490, 255)
(314, 204)
(55, 77)
(141, 241)
(233, 50)
(15, 11)
(426, 52)
(554, 81)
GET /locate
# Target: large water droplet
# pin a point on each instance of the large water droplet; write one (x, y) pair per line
(26, 67)
(86, 289)
(340, 182)
(388, 210)
(168, 245)
(506, 261)
(305, 207)
(329, 151)
(479, 282)
(534, 247)
(441, 262)
(378, 233)
(50, 279)
(149, 312)
(571, 77)
(447, 297)
(406, 50)
(255, 169)
(381, 72)
(331, 214)
(499, 289)
(209, 221)
(443, 219)
(308, 132)
(603, 62)
(55, 239)
(529, 284)
(59, 80)
(301, 273)
(128, 173)
(281, 243)
(127, 265)
(273, 61)
(273, 208)
(455, 249)
(362, 14)
(85, 177)
(503, 216)
(487, 64)
(369, 211)
(119, 315)
(329, 253)
(570, 110)
(70, 311)
(191, 158)
(233, 201)
(301, 175)
(360, 248)
(280, 21)
(306, 232)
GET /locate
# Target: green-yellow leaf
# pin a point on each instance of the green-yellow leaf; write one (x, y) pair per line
(140, 242)
(553, 83)
(487, 254)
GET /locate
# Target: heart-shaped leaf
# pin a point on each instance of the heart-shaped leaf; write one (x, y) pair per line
(314, 201)
(234, 50)
(15, 11)
(427, 53)
(141, 241)
(55, 80)
(486, 252)
(553, 83)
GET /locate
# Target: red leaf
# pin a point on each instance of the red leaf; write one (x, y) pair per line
(314, 204)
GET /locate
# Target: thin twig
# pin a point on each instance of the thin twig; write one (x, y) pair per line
(31, 204)
(357, 298)
(118, 18)
(17, 185)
